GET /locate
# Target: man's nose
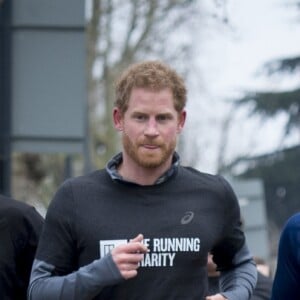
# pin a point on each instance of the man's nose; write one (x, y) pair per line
(151, 128)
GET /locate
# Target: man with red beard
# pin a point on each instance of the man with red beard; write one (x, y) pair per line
(142, 227)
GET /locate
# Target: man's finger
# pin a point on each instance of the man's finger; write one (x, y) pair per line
(139, 238)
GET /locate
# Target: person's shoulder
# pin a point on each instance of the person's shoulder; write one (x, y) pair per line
(206, 178)
(294, 219)
(89, 180)
(195, 172)
(16, 212)
(214, 183)
(292, 223)
(10, 205)
(90, 177)
(289, 240)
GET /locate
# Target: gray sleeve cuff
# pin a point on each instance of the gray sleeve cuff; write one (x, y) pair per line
(239, 282)
(85, 283)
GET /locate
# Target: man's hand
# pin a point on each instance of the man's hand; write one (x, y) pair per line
(215, 297)
(128, 256)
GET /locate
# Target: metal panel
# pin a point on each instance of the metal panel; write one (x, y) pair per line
(249, 188)
(48, 12)
(258, 242)
(253, 211)
(48, 146)
(48, 84)
(250, 194)
(49, 102)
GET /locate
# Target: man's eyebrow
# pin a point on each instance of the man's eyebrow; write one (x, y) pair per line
(138, 113)
(165, 114)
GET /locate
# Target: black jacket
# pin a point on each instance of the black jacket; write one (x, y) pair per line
(20, 226)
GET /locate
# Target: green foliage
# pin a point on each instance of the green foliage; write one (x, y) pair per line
(288, 64)
(276, 167)
(271, 103)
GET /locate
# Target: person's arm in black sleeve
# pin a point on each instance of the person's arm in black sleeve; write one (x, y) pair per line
(33, 224)
(20, 226)
(238, 274)
(239, 282)
(84, 283)
(54, 274)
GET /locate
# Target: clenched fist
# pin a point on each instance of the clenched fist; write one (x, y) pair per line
(128, 256)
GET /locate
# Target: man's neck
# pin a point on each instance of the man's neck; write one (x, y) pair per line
(141, 175)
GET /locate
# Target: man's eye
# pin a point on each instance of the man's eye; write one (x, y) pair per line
(140, 117)
(162, 118)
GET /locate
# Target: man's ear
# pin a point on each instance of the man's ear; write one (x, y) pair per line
(181, 122)
(117, 119)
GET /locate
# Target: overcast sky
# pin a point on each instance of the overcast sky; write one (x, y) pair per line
(258, 31)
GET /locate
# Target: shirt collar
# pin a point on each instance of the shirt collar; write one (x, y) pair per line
(115, 161)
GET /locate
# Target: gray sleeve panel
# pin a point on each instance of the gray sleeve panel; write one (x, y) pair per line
(239, 282)
(85, 283)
